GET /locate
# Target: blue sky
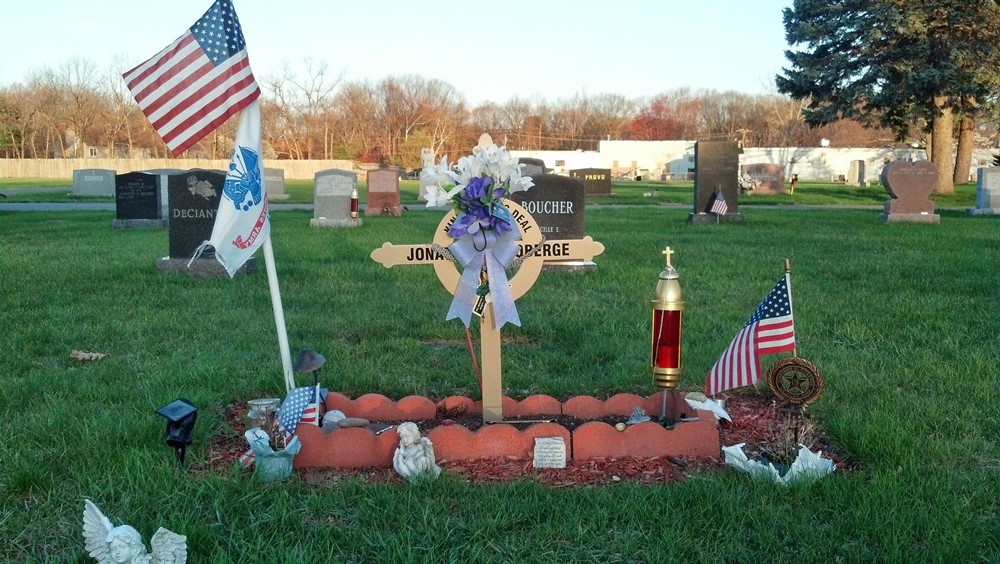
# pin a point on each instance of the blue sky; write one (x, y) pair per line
(487, 50)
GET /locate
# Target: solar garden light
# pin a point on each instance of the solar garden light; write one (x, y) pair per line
(181, 416)
(668, 307)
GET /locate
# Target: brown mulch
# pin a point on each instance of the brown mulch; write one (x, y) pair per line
(758, 421)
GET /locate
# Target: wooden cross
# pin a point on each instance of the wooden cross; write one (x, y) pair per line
(389, 255)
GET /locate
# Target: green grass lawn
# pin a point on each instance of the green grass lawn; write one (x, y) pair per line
(900, 318)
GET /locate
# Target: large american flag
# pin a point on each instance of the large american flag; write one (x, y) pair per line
(769, 330)
(198, 81)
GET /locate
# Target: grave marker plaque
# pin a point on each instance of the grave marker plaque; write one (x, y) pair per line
(383, 192)
(93, 182)
(987, 192)
(332, 199)
(137, 201)
(770, 177)
(596, 181)
(274, 183)
(716, 167)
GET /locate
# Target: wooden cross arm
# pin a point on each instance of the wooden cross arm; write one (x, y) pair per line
(570, 249)
(389, 255)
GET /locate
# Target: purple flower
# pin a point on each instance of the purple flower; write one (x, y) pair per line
(477, 187)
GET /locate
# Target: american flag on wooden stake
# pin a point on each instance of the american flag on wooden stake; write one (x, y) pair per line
(719, 206)
(194, 84)
(769, 330)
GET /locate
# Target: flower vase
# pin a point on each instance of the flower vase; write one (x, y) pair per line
(277, 465)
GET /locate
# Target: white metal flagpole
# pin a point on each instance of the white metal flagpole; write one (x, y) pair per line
(279, 315)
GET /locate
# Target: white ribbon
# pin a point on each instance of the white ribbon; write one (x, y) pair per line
(496, 252)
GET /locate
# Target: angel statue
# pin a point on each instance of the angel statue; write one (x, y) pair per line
(415, 456)
(123, 544)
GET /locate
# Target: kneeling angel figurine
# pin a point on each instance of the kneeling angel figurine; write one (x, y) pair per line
(123, 544)
(415, 455)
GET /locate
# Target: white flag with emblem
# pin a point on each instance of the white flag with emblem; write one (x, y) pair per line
(241, 225)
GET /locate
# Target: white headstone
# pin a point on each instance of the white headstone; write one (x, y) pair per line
(987, 192)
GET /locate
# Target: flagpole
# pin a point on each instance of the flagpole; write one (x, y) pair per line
(788, 283)
(279, 315)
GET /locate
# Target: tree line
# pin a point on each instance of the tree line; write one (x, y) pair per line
(310, 112)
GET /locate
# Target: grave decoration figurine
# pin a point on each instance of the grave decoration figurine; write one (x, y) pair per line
(414, 458)
(486, 237)
(123, 545)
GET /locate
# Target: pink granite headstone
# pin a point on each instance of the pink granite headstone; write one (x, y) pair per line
(910, 184)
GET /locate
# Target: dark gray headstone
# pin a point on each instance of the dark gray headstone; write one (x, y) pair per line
(532, 167)
(383, 192)
(716, 167)
(332, 198)
(770, 177)
(596, 181)
(93, 182)
(557, 204)
(194, 198)
(274, 182)
(137, 201)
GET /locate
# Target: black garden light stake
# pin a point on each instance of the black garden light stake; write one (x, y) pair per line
(181, 416)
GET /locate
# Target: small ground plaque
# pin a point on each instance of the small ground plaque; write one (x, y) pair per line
(333, 189)
(383, 192)
(550, 452)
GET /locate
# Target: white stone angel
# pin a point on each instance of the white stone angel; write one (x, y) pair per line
(123, 544)
(415, 455)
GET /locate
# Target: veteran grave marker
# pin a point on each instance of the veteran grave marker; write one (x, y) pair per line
(137, 201)
(90, 182)
(717, 165)
(383, 192)
(332, 199)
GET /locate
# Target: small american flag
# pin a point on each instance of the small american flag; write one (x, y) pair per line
(769, 330)
(194, 84)
(300, 406)
(719, 204)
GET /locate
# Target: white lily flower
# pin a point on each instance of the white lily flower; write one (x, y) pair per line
(519, 183)
(439, 174)
(436, 197)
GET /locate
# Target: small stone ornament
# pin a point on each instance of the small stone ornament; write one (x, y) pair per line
(123, 545)
(638, 416)
(414, 458)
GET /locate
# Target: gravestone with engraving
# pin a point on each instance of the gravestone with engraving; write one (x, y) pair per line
(770, 177)
(426, 161)
(910, 184)
(716, 168)
(274, 183)
(383, 192)
(856, 174)
(596, 181)
(532, 167)
(193, 202)
(333, 189)
(557, 204)
(164, 175)
(137, 201)
(987, 192)
(93, 182)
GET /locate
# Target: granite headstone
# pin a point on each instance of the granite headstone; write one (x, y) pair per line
(532, 167)
(716, 167)
(770, 177)
(93, 182)
(596, 181)
(856, 174)
(557, 203)
(987, 192)
(274, 182)
(332, 199)
(137, 201)
(383, 192)
(910, 184)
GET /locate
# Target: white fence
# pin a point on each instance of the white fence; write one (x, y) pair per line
(63, 168)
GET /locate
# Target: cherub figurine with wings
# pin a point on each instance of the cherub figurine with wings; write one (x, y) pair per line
(123, 544)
